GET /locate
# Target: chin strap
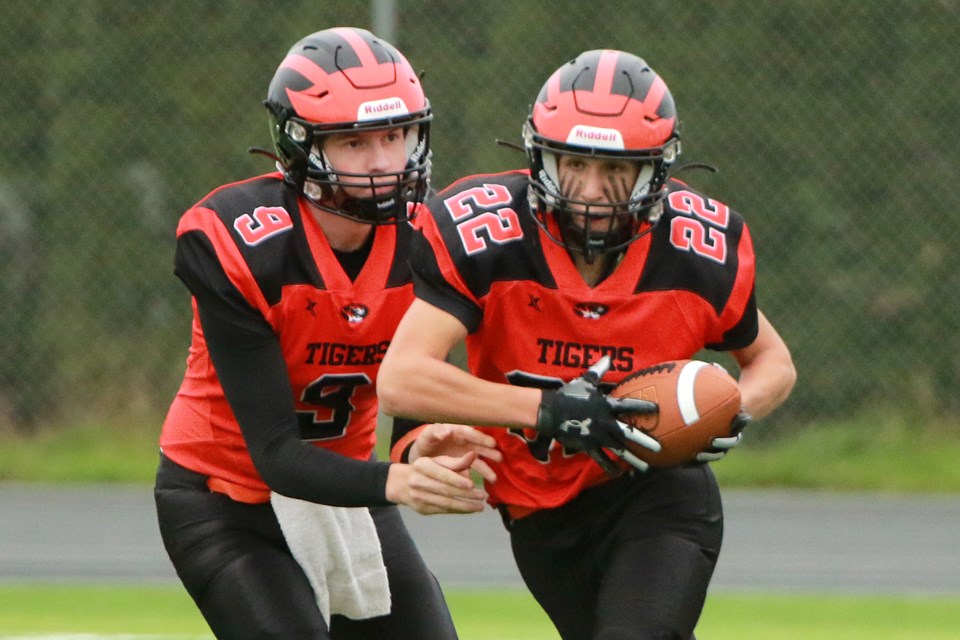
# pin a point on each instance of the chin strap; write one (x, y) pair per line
(694, 165)
(511, 145)
(367, 211)
(264, 152)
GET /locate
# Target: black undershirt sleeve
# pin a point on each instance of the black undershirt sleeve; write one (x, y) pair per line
(253, 373)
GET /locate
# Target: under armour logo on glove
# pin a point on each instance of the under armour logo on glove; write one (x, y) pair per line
(581, 418)
(582, 427)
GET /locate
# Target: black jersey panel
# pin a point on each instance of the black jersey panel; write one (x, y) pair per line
(196, 264)
(399, 274)
(482, 220)
(744, 332)
(674, 266)
(430, 286)
(280, 259)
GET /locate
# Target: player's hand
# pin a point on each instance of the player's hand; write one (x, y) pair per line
(456, 440)
(581, 418)
(440, 484)
(720, 446)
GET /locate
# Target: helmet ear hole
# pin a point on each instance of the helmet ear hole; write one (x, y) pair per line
(317, 191)
(671, 152)
(411, 137)
(644, 181)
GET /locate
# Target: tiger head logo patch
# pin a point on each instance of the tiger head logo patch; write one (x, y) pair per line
(354, 313)
(590, 310)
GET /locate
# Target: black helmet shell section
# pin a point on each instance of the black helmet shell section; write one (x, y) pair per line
(602, 104)
(346, 80)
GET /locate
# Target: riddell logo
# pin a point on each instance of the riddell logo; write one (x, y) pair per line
(382, 109)
(595, 137)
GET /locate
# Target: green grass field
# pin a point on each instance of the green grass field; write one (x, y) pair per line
(879, 452)
(154, 612)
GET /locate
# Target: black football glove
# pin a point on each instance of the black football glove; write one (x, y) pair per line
(581, 418)
(720, 446)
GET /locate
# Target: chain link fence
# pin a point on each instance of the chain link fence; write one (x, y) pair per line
(833, 125)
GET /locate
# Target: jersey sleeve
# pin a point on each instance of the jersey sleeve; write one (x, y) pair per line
(739, 318)
(469, 238)
(431, 283)
(252, 372)
(743, 333)
(703, 248)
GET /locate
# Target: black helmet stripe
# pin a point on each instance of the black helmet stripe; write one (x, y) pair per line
(362, 49)
(581, 72)
(592, 73)
(346, 49)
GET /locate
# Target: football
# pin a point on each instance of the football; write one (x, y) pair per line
(697, 400)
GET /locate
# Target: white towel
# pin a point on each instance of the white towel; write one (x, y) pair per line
(339, 550)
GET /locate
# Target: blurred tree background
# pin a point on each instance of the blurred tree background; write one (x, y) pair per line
(833, 125)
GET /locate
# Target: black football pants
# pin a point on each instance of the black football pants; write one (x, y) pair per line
(234, 562)
(629, 559)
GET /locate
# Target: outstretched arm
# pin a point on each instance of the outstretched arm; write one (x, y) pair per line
(416, 381)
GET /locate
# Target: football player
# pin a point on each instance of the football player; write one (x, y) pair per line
(298, 279)
(590, 257)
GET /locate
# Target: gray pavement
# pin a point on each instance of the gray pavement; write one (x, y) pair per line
(775, 540)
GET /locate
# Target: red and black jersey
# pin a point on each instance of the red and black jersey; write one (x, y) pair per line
(685, 286)
(259, 266)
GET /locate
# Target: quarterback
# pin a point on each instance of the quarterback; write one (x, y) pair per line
(298, 279)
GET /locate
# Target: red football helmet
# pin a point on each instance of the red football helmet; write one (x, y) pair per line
(610, 105)
(347, 80)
